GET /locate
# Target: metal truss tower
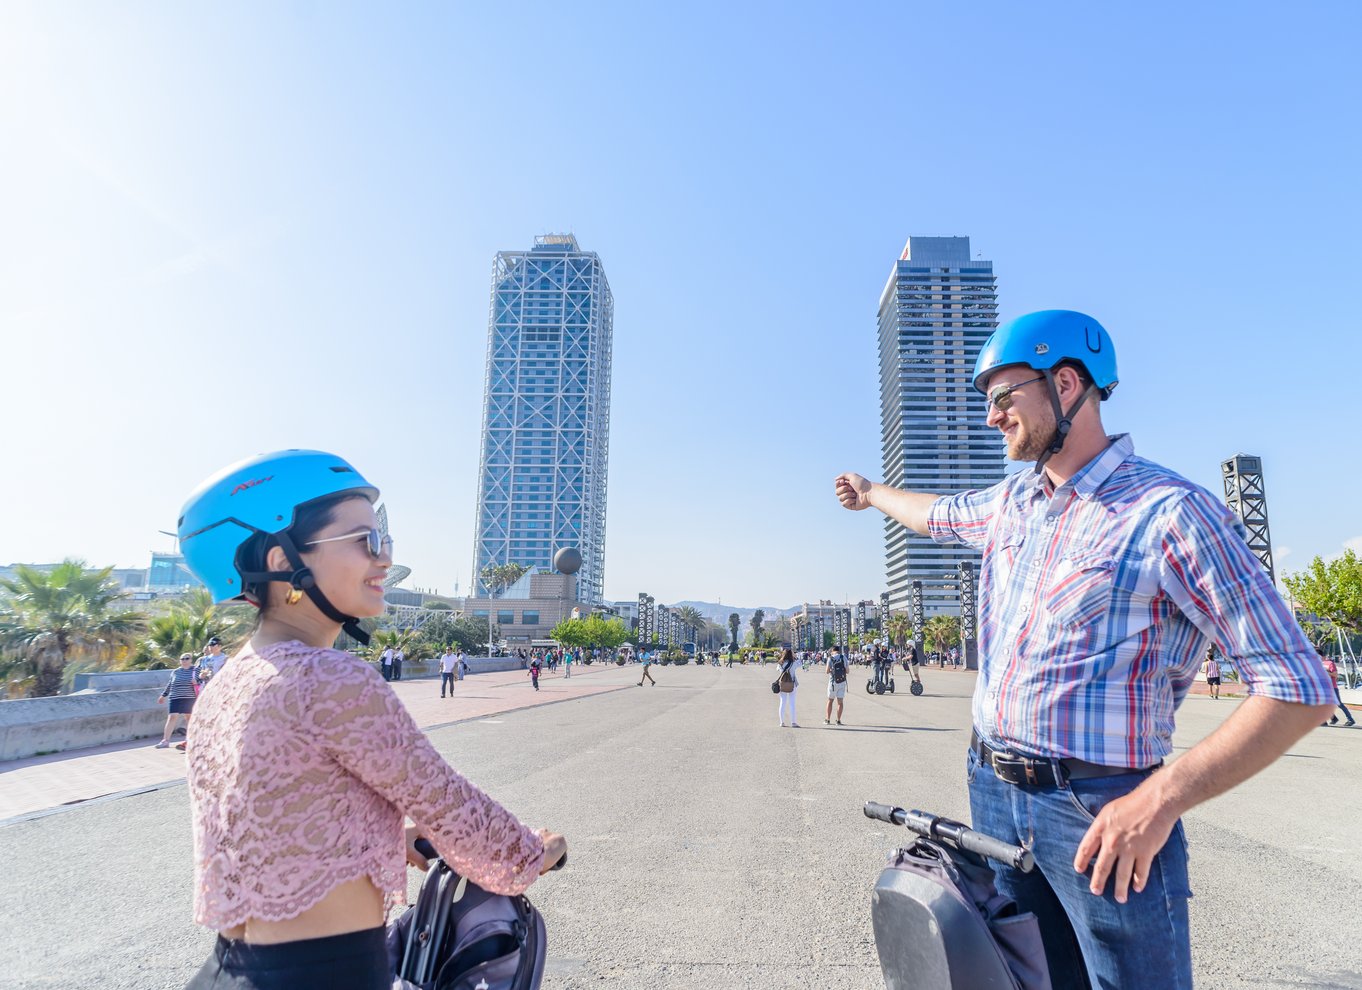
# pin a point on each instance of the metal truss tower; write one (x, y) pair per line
(969, 617)
(1247, 499)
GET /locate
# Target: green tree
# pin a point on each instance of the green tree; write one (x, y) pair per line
(734, 621)
(591, 631)
(49, 620)
(399, 639)
(499, 577)
(942, 631)
(1331, 590)
(758, 617)
(187, 628)
(899, 629)
(691, 620)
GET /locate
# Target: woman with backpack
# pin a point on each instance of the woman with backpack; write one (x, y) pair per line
(789, 684)
(305, 765)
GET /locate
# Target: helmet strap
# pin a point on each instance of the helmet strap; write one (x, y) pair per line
(1064, 421)
(301, 579)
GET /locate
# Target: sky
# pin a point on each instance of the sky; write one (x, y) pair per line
(234, 228)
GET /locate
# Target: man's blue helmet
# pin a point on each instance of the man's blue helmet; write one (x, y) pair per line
(1045, 339)
(257, 495)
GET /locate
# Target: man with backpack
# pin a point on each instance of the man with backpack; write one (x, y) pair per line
(837, 684)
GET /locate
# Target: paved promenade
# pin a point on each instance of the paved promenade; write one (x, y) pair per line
(43, 783)
(710, 848)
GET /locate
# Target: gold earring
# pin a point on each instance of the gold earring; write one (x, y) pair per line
(293, 597)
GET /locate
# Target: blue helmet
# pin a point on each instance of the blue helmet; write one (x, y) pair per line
(1045, 339)
(257, 495)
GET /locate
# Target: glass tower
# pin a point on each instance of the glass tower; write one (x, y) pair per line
(546, 412)
(936, 312)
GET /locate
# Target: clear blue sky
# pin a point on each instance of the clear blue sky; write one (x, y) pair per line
(230, 228)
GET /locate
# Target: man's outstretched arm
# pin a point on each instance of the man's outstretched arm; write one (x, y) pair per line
(909, 508)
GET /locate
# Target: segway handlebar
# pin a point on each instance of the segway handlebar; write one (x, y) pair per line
(427, 850)
(955, 833)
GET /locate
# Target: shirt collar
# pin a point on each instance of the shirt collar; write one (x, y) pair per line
(1093, 475)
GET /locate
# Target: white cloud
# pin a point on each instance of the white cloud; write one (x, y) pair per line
(1355, 544)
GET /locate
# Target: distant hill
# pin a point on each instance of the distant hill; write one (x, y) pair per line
(720, 613)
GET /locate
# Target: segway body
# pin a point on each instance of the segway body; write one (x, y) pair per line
(929, 934)
(940, 924)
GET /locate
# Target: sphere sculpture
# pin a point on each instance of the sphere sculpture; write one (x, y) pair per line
(567, 560)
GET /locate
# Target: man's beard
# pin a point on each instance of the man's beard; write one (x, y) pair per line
(1028, 445)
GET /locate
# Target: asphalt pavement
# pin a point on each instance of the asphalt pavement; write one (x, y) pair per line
(709, 848)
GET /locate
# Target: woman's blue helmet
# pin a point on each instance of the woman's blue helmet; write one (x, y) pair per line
(1043, 340)
(257, 495)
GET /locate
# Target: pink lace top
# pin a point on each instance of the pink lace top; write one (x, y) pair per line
(302, 763)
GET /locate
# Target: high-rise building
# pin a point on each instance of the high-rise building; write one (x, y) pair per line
(936, 312)
(546, 412)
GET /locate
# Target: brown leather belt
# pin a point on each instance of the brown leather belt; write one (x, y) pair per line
(1040, 771)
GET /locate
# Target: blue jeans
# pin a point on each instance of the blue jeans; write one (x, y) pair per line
(1090, 941)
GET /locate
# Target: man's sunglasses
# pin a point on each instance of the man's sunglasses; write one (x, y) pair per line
(379, 543)
(1001, 397)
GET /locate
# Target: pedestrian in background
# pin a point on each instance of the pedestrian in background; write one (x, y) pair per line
(386, 662)
(212, 660)
(1331, 669)
(567, 664)
(837, 684)
(789, 684)
(1211, 671)
(181, 690)
(398, 657)
(647, 660)
(447, 665)
(534, 673)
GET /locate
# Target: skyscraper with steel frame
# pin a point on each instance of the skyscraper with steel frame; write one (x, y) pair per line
(937, 310)
(546, 411)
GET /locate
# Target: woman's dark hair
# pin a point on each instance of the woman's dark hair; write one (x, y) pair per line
(309, 519)
(787, 655)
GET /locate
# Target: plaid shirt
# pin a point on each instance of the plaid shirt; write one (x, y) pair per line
(1097, 602)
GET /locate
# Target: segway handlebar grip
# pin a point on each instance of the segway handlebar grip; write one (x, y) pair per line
(1017, 857)
(884, 813)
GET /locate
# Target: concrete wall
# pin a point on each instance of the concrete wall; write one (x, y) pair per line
(34, 726)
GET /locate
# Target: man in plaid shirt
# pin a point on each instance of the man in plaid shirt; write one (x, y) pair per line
(1104, 577)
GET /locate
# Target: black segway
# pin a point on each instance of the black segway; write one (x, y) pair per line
(940, 924)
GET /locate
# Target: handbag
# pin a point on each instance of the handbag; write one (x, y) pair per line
(458, 936)
(786, 682)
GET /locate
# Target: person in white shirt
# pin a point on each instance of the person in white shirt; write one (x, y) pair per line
(398, 657)
(447, 664)
(462, 667)
(388, 664)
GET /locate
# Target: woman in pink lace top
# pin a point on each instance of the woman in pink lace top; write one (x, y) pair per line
(302, 762)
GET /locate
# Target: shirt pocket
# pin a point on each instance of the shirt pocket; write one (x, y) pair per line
(1084, 589)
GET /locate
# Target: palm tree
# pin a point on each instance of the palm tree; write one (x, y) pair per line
(691, 619)
(398, 639)
(755, 622)
(942, 631)
(188, 626)
(734, 621)
(70, 613)
(899, 628)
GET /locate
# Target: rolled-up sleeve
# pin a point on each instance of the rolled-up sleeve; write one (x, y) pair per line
(964, 517)
(1209, 573)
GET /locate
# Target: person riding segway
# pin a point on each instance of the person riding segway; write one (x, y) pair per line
(1103, 575)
